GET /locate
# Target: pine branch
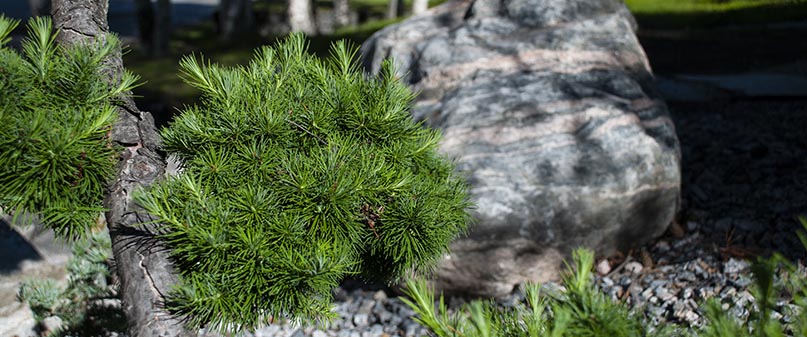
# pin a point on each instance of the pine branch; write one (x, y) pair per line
(283, 163)
(56, 157)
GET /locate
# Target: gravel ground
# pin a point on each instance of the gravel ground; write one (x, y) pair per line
(744, 179)
(744, 184)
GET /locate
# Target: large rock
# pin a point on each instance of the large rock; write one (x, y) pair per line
(550, 108)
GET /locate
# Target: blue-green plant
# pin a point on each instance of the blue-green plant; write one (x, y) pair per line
(297, 173)
(85, 304)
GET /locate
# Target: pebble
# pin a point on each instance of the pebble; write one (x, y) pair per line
(380, 295)
(735, 266)
(633, 267)
(361, 320)
(603, 267)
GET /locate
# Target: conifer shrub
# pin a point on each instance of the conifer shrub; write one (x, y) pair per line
(56, 109)
(296, 174)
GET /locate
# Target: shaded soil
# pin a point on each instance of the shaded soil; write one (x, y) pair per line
(744, 160)
(744, 170)
(726, 50)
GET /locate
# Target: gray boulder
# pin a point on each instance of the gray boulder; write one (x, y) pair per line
(549, 107)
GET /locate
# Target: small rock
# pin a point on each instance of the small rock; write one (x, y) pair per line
(686, 276)
(405, 311)
(377, 329)
(663, 294)
(706, 293)
(319, 333)
(378, 308)
(662, 246)
(728, 292)
(393, 320)
(51, 324)
(735, 266)
(686, 293)
(647, 294)
(385, 317)
(633, 267)
(366, 307)
(411, 329)
(361, 320)
(297, 333)
(268, 331)
(380, 295)
(603, 267)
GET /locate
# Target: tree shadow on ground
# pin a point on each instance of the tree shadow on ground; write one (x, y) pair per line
(14, 249)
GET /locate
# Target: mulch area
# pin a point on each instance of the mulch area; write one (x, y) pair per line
(744, 160)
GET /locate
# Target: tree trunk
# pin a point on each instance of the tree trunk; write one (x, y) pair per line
(341, 12)
(394, 9)
(142, 264)
(39, 7)
(162, 28)
(154, 26)
(235, 16)
(419, 6)
(145, 24)
(301, 17)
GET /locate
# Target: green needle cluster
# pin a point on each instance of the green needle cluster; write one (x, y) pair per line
(56, 111)
(297, 173)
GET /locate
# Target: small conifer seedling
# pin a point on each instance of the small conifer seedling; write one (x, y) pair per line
(297, 173)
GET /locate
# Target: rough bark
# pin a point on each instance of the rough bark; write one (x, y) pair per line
(142, 265)
(341, 12)
(235, 16)
(419, 6)
(301, 18)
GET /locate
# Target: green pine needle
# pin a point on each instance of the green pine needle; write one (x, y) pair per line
(298, 173)
(56, 105)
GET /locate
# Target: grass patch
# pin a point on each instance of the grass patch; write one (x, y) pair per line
(699, 14)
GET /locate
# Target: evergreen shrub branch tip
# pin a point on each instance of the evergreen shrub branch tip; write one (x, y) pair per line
(57, 108)
(297, 173)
